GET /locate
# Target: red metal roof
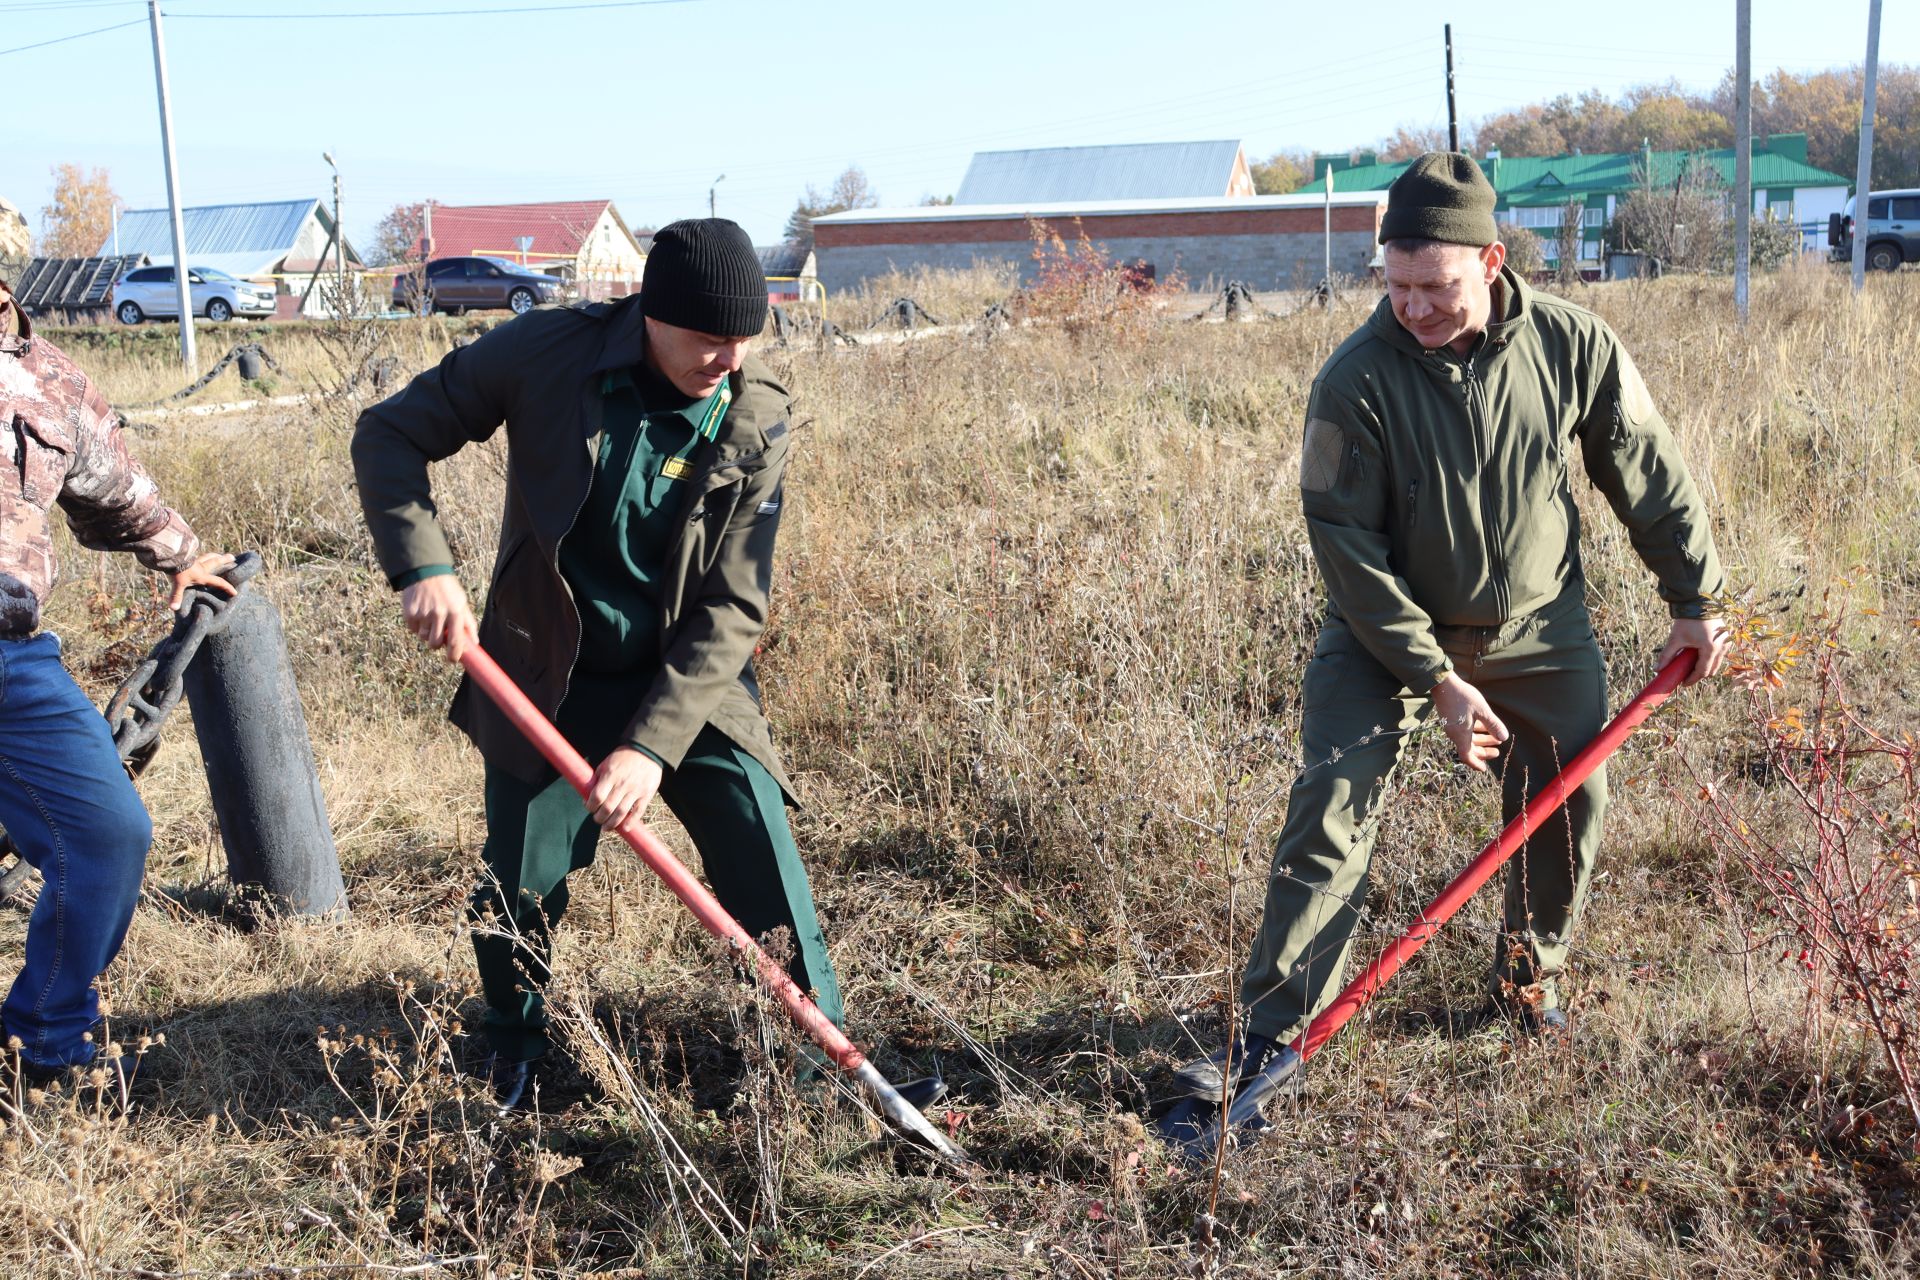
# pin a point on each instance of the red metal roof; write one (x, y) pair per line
(557, 228)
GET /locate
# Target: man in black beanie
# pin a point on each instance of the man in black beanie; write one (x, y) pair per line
(645, 454)
(1435, 481)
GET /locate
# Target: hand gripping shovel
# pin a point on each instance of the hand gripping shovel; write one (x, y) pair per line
(1195, 1124)
(560, 754)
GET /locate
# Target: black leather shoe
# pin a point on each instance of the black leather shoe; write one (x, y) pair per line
(1205, 1077)
(511, 1083)
(924, 1092)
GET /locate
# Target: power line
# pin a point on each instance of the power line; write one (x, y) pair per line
(78, 35)
(428, 13)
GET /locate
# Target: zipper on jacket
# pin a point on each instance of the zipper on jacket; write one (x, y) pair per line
(1413, 502)
(1490, 530)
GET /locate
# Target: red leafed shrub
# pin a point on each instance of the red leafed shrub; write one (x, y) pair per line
(1826, 831)
(1082, 289)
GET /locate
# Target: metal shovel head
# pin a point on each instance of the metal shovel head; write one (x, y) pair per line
(1194, 1125)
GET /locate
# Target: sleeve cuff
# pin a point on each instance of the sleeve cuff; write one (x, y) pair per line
(649, 753)
(425, 571)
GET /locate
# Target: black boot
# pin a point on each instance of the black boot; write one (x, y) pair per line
(1204, 1078)
(924, 1092)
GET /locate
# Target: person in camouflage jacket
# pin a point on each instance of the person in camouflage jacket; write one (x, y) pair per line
(65, 800)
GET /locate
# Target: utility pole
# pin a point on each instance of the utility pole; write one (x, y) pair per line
(1453, 117)
(1742, 156)
(710, 190)
(188, 356)
(1863, 180)
(1328, 267)
(339, 244)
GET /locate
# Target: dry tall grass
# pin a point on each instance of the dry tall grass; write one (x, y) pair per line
(1042, 609)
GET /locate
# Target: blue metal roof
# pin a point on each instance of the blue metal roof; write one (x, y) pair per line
(1138, 171)
(247, 238)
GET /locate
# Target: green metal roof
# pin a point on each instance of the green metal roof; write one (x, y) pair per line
(1529, 181)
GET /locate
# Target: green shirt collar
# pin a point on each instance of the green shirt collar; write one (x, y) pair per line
(702, 415)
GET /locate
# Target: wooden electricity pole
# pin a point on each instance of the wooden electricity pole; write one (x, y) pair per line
(1863, 179)
(1453, 118)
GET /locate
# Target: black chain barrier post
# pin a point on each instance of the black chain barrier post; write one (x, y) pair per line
(228, 657)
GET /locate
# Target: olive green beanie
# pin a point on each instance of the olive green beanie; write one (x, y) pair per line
(1441, 196)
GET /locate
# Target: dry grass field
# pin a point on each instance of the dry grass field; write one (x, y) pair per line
(1041, 612)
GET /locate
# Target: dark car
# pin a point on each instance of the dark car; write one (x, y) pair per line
(455, 285)
(1892, 233)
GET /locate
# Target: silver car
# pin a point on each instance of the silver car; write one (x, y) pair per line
(150, 292)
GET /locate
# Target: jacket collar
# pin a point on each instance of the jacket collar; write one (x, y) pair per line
(1512, 301)
(625, 345)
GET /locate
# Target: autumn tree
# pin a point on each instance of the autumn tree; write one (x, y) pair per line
(1825, 105)
(1409, 143)
(849, 191)
(398, 236)
(1282, 173)
(1669, 119)
(79, 219)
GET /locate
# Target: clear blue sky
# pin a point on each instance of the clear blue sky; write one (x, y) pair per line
(647, 104)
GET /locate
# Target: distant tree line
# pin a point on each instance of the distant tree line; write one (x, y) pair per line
(1824, 105)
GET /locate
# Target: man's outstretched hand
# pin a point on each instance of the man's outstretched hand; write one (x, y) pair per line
(1476, 732)
(437, 612)
(203, 572)
(623, 786)
(1708, 639)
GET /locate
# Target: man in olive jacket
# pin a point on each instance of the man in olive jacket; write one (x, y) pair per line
(1436, 477)
(645, 457)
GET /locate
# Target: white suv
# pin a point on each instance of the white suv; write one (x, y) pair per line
(150, 292)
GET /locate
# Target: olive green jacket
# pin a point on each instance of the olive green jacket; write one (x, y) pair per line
(1438, 489)
(541, 375)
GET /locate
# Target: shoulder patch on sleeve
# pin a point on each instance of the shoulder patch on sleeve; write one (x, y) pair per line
(1635, 401)
(1320, 455)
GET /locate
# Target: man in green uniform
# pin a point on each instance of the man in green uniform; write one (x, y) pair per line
(1436, 479)
(646, 451)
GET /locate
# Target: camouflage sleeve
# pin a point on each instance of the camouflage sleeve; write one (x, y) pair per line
(1634, 460)
(111, 502)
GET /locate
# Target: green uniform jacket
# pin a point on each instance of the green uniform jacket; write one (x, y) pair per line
(1438, 492)
(542, 376)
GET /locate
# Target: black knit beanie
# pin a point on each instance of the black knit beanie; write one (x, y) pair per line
(703, 274)
(1441, 196)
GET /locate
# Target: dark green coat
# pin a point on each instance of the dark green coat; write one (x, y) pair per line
(541, 375)
(1438, 490)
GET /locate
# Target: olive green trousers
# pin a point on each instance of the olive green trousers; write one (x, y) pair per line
(1544, 677)
(729, 804)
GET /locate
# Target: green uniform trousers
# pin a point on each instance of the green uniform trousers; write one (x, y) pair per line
(728, 802)
(1544, 677)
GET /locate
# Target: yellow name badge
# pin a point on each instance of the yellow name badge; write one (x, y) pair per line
(676, 468)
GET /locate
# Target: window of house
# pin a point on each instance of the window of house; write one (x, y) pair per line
(1594, 216)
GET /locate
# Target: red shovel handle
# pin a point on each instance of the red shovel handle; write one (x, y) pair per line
(1481, 869)
(560, 754)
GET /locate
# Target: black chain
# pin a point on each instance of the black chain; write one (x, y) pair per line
(139, 708)
(244, 348)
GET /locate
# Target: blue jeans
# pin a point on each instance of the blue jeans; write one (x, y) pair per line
(72, 812)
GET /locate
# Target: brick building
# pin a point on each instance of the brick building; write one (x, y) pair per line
(1269, 242)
